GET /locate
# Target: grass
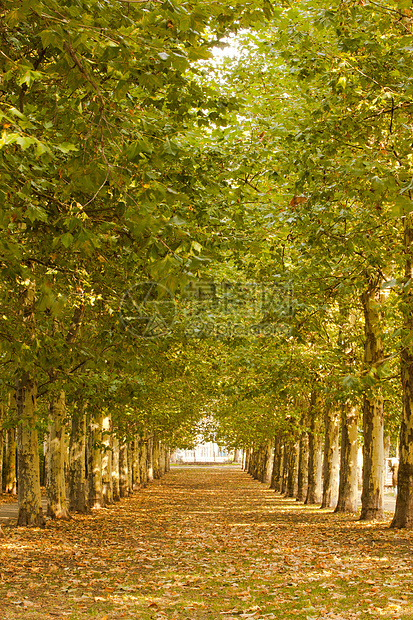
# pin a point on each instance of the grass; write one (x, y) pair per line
(206, 543)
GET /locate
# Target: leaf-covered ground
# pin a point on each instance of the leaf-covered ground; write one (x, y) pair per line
(207, 543)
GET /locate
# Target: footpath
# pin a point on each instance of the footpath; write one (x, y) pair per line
(205, 544)
(9, 510)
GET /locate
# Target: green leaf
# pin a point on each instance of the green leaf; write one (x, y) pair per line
(28, 77)
(34, 212)
(51, 37)
(199, 53)
(66, 147)
(178, 221)
(196, 246)
(25, 141)
(67, 239)
(42, 148)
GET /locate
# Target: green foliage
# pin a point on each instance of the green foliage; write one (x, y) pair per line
(129, 153)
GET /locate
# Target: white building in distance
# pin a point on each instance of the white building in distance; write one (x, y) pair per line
(208, 452)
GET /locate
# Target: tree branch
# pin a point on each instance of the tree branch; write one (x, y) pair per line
(69, 49)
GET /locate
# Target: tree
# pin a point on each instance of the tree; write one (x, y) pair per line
(98, 102)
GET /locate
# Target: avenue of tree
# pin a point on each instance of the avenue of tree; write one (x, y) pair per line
(131, 155)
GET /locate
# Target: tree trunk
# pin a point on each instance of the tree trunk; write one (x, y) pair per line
(149, 459)
(78, 500)
(9, 479)
(57, 507)
(144, 462)
(130, 466)
(162, 460)
(115, 469)
(331, 463)
(123, 470)
(28, 475)
(276, 465)
(284, 473)
(263, 461)
(247, 459)
(373, 449)
(107, 482)
(253, 465)
(136, 455)
(156, 455)
(315, 455)
(2, 436)
(268, 472)
(9, 464)
(387, 444)
(302, 478)
(347, 489)
(403, 516)
(292, 470)
(95, 462)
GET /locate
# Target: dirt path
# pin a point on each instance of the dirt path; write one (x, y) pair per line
(9, 507)
(9, 510)
(206, 543)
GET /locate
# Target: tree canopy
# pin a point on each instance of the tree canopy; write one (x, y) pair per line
(184, 233)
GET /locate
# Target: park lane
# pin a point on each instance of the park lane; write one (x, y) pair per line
(206, 543)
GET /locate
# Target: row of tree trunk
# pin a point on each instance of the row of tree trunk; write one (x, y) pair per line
(316, 475)
(310, 464)
(88, 466)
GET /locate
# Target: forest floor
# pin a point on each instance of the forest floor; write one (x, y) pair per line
(207, 543)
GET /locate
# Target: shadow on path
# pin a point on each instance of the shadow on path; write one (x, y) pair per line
(207, 544)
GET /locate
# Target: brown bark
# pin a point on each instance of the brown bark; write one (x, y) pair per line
(78, 501)
(253, 463)
(315, 455)
(269, 461)
(292, 470)
(331, 461)
(28, 475)
(107, 480)
(155, 458)
(136, 455)
(123, 469)
(2, 437)
(262, 464)
(387, 444)
(129, 453)
(284, 467)
(9, 464)
(373, 427)
(247, 459)
(302, 477)
(403, 516)
(143, 462)
(57, 507)
(149, 459)
(115, 469)
(95, 461)
(9, 478)
(347, 489)
(276, 466)
(162, 460)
